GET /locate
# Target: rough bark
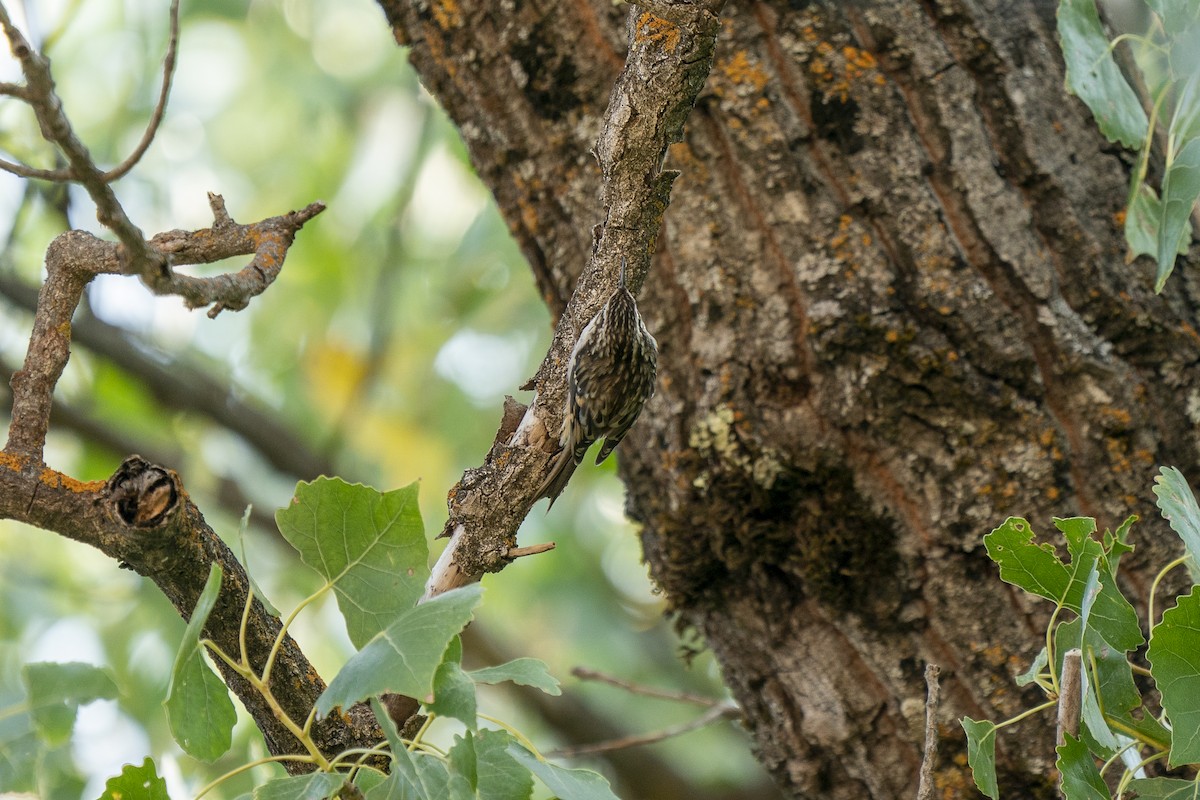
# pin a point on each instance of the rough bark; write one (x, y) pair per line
(892, 310)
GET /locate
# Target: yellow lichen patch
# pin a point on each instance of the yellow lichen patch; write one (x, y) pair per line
(447, 13)
(835, 71)
(651, 28)
(891, 337)
(57, 480)
(1046, 437)
(742, 71)
(13, 463)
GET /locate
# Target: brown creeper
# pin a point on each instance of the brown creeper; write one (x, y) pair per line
(610, 376)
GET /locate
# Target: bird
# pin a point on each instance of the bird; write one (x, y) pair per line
(610, 376)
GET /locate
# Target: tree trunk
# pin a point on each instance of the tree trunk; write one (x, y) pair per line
(892, 310)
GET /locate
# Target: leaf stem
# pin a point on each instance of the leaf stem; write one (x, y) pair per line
(238, 770)
(1157, 580)
(520, 737)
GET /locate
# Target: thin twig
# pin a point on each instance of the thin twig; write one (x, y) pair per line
(65, 174)
(925, 785)
(139, 258)
(160, 107)
(586, 674)
(532, 550)
(717, 712)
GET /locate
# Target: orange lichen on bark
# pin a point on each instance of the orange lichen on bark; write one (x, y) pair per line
(13, 462)
(447, 13)
(651, 28)
(742, 71)
(836, 75)
(57, 480)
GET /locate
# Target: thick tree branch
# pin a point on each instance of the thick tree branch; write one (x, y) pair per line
(670, 54)
(142, 518)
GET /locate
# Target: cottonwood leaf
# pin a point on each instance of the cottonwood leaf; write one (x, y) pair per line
(199, 711)
(56, 691)
(1081, 780)
(1093, 75)
(453, 694)
(369, 545)
(1178, 506)
(566, 784)
(981, 754)
(136, 783)
(314, 786)
(524, 671)
(1180, 189)
(1174, 643)
(1165, 788)
(404, 657)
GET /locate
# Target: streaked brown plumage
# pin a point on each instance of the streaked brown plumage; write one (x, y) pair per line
(610, 376)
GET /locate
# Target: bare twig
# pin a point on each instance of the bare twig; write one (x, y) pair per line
(929, 758)
(717, 712)
(586, 674)
(137, 256)
(268, 240)
(160, 106)
(532, 550)
(68, 173)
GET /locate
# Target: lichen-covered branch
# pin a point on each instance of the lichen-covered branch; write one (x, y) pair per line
(143, 519)
(670, 55)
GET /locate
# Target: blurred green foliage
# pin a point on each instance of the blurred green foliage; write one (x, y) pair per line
(402, 317)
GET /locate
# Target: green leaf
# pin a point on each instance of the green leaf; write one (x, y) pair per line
(403, 783)
(1174, 644)
(1035, 669)
(981, 754)
(1037, 568)
(1093, 75)
(500, 776)
(1180, 188)
(1165, 789)
(1178, 507)
(369, 546)
(1117, 544)
(262, 597)
(1175, 14)
(404, 657)
(368, 778)
(439, 783)
(199, 710)
(1185, 121)
(453, 694)
(1108, 613)
(524, 671)
(56, 691)
(136, 783)
(314, 786)
(1090, 711)
(462, 759)
(1081, 779)
(566, 784)
(1142, 221)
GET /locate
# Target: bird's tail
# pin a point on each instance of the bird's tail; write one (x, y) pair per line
(560, 474)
